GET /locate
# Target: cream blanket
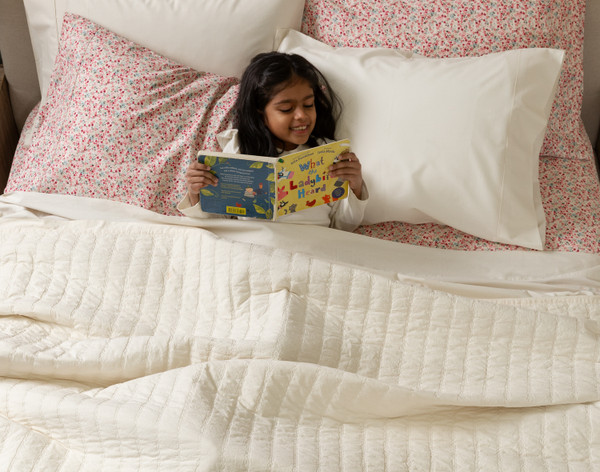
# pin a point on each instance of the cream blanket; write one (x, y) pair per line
(138, 346)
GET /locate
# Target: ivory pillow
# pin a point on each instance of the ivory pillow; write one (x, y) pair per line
(454, 141)
(460, 28)
(216, 36)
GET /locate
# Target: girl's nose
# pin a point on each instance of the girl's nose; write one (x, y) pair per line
(300, 113)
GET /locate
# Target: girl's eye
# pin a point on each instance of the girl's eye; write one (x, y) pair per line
(291, 109)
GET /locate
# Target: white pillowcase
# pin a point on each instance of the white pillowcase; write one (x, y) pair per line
(219, 36)
(454, 141)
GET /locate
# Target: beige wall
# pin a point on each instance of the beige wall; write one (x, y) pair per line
(19, 65)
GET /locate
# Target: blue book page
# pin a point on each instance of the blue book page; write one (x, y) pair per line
(246, 187)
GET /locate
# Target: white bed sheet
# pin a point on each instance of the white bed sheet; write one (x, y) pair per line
(479, 274)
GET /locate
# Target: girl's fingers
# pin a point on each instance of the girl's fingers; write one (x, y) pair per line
(349, 169)
(345, 171)
(202, 181)
(197, 179)
(345, 175)
(199, 166)
(347, 162)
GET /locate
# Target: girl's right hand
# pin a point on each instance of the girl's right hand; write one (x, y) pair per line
(197, 177)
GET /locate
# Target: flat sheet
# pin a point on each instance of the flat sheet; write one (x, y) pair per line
(481, 274)
(137, 345)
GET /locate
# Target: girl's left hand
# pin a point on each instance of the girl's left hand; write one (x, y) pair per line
(348, 168)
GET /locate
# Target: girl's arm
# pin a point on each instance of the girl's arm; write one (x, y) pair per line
(348, 214)
(349, 168)
(197, 177)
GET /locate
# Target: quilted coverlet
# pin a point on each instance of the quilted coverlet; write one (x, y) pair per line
(134, 346)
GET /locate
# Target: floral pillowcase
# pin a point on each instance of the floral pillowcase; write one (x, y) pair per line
(120, 122)
(452, 28)
(123, 123)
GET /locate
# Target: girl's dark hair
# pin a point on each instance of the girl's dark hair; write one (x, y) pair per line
(266, 75)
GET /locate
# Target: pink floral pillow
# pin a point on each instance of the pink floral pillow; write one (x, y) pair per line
(121, 122)
(450, 28)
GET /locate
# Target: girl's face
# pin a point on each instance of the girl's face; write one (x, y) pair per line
(290, 115)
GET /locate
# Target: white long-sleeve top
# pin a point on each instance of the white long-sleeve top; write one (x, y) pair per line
(344, 214)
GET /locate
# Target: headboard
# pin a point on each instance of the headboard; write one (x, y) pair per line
(20, 73)
(591, 64)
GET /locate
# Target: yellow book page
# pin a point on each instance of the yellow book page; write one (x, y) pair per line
(303, 178)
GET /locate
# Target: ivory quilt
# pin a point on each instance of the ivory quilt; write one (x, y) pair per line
(139, 346)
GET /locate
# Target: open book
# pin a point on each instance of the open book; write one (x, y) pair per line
(269, 187)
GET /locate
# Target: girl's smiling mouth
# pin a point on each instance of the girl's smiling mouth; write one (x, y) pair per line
(300, 129)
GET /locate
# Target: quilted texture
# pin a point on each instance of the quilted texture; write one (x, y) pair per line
(451, 28)
(121, 122)
(131, 346)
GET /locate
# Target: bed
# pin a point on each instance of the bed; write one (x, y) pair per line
(456, 329)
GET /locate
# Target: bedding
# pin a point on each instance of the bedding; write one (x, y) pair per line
(82, 143)
(126, 131)
(454, 141)
(218, 36)
(571, 201)
(455, 28)
(131, 345)
(134, 338)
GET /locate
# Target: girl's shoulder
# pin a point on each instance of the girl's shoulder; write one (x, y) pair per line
(229, 141)
(321, 141)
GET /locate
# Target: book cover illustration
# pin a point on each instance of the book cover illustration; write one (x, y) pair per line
(268, 187)
(303, 178)
(246, 186)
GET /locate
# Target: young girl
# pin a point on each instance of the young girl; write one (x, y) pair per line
(285, 105)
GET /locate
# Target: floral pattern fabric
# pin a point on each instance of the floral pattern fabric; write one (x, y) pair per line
(571, 199)
(123, 123)
(120, 122)
(454, 28)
